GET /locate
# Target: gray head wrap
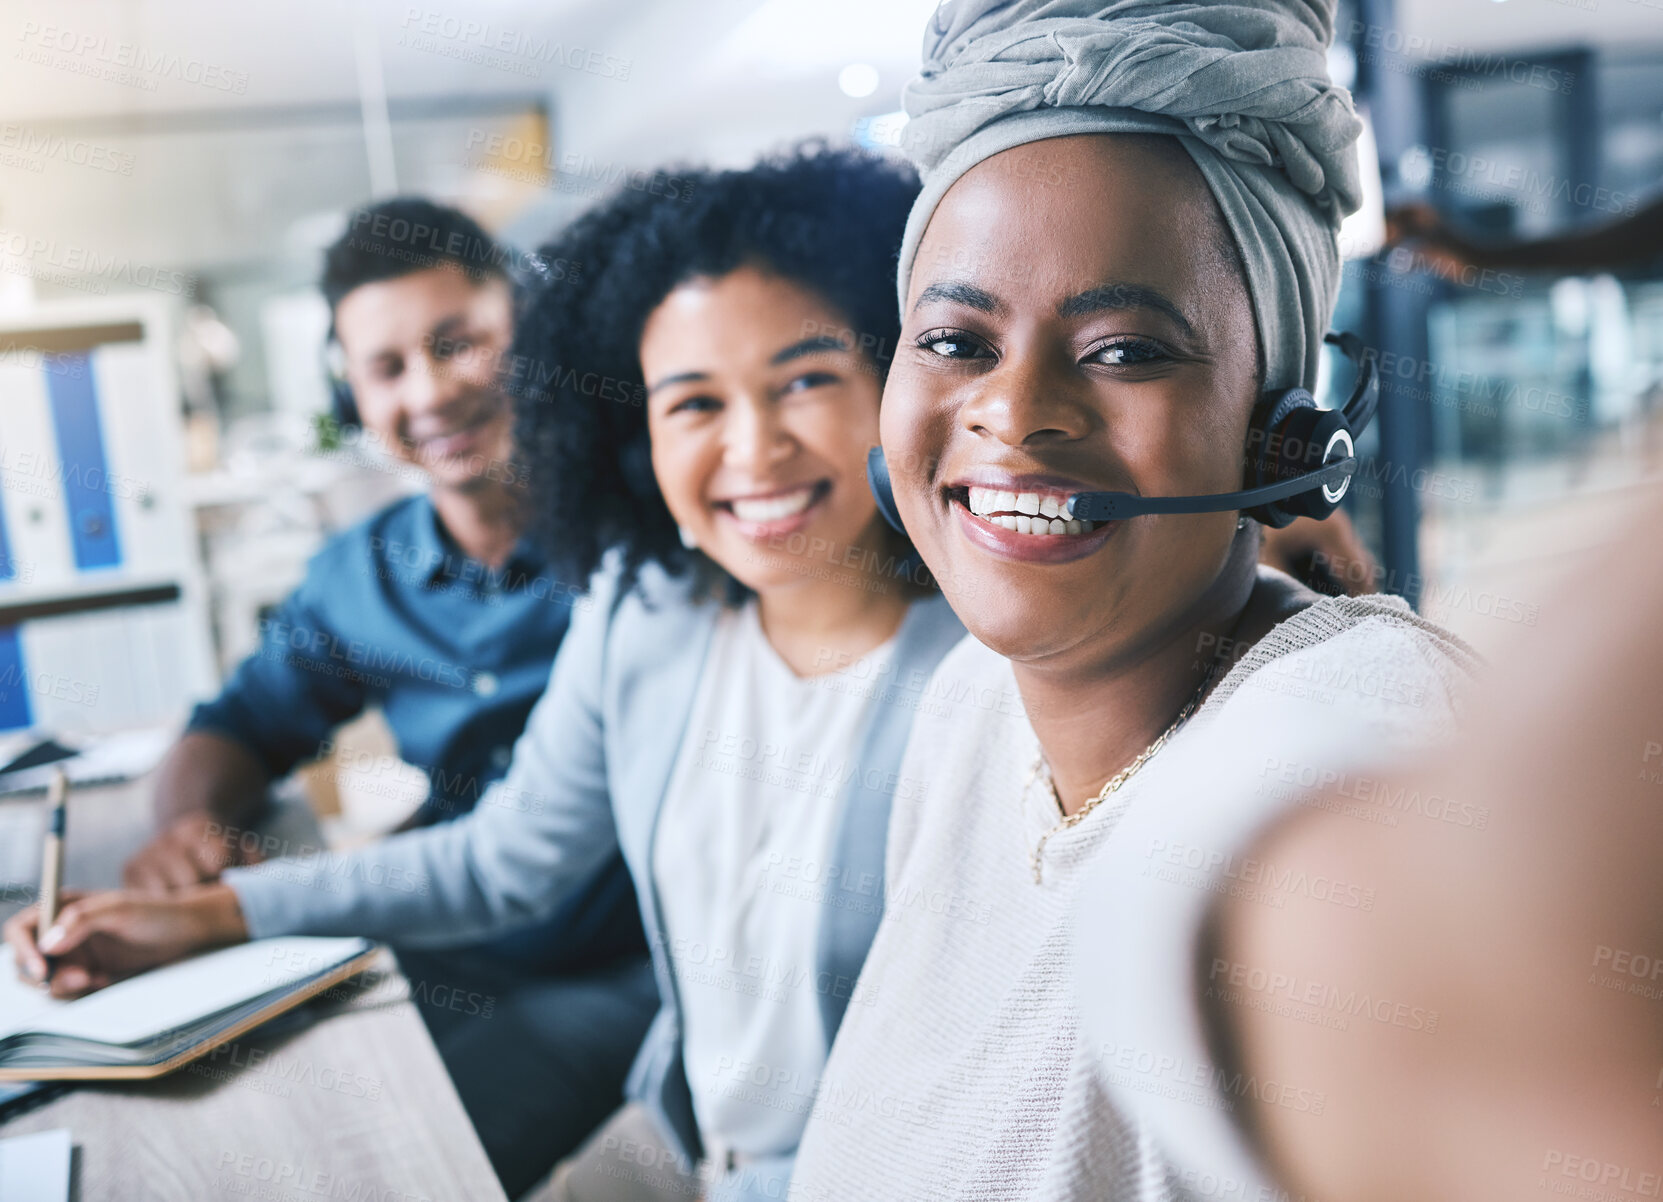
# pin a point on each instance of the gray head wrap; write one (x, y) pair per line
(1243, 83)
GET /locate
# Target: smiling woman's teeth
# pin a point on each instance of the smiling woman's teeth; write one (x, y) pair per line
(1027, 512)
(772, 509)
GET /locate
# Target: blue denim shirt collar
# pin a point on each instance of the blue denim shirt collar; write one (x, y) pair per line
(450, 563)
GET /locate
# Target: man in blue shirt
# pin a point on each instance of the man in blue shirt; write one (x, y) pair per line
(438, 611)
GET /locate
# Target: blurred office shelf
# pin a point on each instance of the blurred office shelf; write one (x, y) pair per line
(103, 618)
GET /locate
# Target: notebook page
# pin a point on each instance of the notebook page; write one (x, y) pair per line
(20, 1002)
(163, 999)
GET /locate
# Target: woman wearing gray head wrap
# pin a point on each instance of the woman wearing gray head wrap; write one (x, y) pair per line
(1244, 86)
(1126, 236)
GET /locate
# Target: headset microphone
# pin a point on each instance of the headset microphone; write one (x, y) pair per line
(1300, 463)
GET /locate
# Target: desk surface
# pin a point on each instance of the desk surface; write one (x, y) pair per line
(355, 1105)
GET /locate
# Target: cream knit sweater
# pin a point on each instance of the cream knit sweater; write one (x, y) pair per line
(968, 1075)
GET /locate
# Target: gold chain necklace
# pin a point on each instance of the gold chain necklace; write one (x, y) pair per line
(1115, 781)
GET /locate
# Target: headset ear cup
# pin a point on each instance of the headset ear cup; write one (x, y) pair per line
(877, 479)
(1270, 437)
(342, 406)
(1295, 438)
(1310, 434)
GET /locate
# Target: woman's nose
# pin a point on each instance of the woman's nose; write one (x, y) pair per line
(754, 436)
(1026, 399)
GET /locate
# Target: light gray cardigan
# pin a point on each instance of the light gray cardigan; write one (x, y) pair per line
(589, 777)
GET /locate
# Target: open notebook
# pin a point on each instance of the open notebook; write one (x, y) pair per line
(155, 1022)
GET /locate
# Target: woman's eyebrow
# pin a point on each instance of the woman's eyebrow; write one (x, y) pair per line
(686, 377)
(960, 293)
(808, 346)
(448, 326)
(1123, 296)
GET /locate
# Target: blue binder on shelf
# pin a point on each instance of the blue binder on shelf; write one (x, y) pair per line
(85, 467)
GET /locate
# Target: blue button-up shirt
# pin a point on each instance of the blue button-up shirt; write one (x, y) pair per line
(455, 652)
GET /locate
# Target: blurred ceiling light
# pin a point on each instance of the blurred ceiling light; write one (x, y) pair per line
(859, 80)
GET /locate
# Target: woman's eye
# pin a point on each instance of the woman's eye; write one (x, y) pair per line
(811, 379)
(953, 346)
(696, 404)
(1127, 354)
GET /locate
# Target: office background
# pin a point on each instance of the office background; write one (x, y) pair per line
(170, 172)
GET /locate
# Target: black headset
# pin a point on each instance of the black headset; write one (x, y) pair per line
(342, 406)
(1300, 459)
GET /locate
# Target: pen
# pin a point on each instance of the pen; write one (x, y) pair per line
(52, 855)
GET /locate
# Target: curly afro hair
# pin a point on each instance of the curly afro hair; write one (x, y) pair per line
(828, 220)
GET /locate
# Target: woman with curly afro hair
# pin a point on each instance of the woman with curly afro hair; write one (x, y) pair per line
(811, 237)
(695, 400)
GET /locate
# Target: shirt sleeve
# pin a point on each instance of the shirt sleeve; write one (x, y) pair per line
(541, 832)
(286, 698)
